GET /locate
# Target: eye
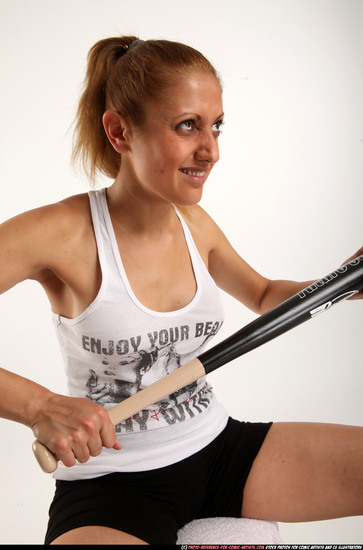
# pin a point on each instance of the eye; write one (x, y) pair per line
(217, 126)
(186, 125)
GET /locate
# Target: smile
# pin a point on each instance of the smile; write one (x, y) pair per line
(195, 173)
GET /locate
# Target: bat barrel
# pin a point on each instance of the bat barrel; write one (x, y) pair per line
(321, 295)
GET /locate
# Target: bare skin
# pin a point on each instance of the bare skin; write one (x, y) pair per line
(97, 534)
(303, 472)
(306, 472)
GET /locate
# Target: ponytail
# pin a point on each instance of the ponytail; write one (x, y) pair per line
(91, 145)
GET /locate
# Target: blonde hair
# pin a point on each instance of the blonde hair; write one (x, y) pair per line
(123, 79)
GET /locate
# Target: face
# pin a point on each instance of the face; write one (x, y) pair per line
(172, 155)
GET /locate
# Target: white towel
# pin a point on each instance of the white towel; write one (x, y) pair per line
(229, 531)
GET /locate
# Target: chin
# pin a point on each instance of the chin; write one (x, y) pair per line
(190, 200)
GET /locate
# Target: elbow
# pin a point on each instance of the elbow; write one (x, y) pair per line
(263, 306)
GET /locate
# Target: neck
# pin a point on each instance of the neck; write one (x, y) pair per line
(138, 214)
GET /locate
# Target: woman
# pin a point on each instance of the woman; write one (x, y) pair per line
(132, 281)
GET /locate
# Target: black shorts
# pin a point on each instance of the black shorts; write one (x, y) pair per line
(153, 505)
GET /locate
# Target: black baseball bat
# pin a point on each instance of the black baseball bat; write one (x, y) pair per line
(342, 283)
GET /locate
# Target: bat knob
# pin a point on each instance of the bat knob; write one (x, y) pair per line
(45, 458)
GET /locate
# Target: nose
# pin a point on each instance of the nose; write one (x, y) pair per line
(208, 148)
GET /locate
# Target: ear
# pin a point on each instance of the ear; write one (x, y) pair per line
(116, 130)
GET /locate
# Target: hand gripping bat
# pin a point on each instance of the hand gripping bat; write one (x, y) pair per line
(342, 283)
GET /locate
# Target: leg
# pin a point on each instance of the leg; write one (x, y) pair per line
(306, 472)
(96, 535)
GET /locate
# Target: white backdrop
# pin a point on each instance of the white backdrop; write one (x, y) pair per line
(287, 192)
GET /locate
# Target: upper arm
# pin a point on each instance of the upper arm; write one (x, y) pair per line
(26, 246)
(54, 245)
(235, 276)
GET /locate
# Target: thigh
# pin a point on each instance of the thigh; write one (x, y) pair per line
(306, 472)
(97, 534)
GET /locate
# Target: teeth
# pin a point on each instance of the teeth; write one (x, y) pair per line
(193, 172)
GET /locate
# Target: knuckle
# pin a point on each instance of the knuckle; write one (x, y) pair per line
(76, 437)
(62, 450)
(102, 413)
(61, 444)
(92, 422)
(89, 426)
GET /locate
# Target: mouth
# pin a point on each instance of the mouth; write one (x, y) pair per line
(193, 172)
(194, 176)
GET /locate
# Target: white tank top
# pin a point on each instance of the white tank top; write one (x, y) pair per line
(117, 346)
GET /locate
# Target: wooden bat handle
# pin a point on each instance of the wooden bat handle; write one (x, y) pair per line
(46, 459)
(188, 373)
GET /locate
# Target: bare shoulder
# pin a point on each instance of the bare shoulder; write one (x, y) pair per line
(57, 215)
(46, 224)
(66, 214)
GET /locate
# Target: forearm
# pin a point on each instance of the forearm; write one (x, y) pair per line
(278, 291)
(72, 428)
(20, 398)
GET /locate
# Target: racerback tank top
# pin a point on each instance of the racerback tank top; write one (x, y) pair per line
(117, 346)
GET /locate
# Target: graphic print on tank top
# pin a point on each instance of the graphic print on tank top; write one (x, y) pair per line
(114, 381)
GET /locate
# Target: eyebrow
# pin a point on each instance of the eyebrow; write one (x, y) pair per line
(190, 113)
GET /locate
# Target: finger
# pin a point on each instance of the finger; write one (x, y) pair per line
(62, 451)
(108, 435)
(80, 451)
(95, 446)
(355, 255)
(357, 296)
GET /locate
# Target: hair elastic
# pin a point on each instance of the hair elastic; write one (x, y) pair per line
(135, 43)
